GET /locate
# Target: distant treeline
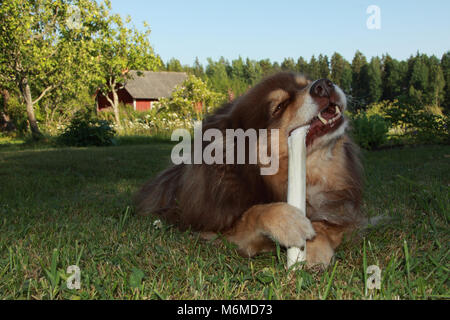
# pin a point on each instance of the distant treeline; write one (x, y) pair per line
(421, 80)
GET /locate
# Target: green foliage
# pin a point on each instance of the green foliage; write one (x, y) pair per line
(177, 111)
(341, 72)
(359, 79)
(53, 68)
(411, 123)
(324, 66)
(85, 131)
(186, 97)
(16, 110)
(369, 131)
(40, 51)
(375, 89)
(288, 65)
(445, 65)
(156, 122)
(313, 68)
(393, 77)
(418, 125)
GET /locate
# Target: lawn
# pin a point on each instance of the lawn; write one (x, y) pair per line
(62, 207)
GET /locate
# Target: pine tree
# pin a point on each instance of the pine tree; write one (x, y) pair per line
(392, 78)
(266, 67)
(198, 68)
(341, 72)
(302, 66)
(436, 83)
(359, 79)
(324, 67)
(418, 75)
(445, 65)
(313, 69)
(174, 65)
(374, 82)
(288, 64)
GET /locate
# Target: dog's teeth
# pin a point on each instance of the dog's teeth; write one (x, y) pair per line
(338, 111)
(322, 119)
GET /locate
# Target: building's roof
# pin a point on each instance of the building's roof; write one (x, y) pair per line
(153, 85)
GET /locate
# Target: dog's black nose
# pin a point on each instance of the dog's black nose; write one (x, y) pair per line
(322, 88)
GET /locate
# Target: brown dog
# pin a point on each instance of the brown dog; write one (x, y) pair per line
(250, 209)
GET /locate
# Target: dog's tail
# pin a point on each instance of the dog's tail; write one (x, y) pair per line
(371, 223)
(158, 196)
(377, 221)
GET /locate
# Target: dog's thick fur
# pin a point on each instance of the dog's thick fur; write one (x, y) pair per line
(251, 209)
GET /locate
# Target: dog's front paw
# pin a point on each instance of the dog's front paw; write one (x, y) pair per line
(287, 225)
(319, 253)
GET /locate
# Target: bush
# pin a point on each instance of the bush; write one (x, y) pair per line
(17, 112)
(84, 131)
(412, 124)
(370, 132)
(418, 125)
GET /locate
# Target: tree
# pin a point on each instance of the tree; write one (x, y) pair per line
(341, 72)
(436, 83)
(266, 67)
(218, 75)
(313, 69)
(238, 69)
(393, 78)
(418, 75)
(288, 64)
(302, 65)
(374, 85)
(121, 49)
(359, 78)
(445, 65)
(174, 65)
(239, 81)
(197, 69)
(324, 67)
(252, 72)
(40, 50)
(185, 98)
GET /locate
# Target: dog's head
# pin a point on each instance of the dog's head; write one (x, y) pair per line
(287, 101)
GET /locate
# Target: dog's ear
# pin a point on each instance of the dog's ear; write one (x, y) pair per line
(302, 80)
(220, 119)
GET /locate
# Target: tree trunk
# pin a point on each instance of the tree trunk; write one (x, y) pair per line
(26, 93)
(116, 105)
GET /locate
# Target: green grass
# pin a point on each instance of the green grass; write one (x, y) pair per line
(62, 207)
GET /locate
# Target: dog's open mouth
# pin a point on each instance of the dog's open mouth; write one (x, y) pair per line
(328, 120)
(329, 115)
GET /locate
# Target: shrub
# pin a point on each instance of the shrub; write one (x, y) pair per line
(85, 131)
(370, 132)
(17, 112)
(418, 125)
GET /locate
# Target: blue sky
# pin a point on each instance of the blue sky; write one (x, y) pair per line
(281, 28)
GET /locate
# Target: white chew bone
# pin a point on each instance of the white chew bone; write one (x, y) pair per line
(296, 195)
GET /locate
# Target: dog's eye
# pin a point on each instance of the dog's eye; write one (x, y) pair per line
(280, 107)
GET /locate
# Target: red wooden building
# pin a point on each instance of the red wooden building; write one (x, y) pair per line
(142, 90)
